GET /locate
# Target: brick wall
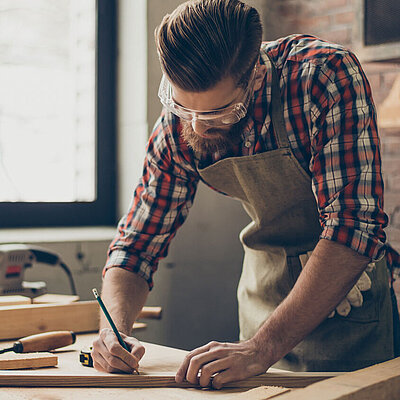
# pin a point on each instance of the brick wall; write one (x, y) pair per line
(334, 20)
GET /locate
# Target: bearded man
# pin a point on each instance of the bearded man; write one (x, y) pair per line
(288, 128)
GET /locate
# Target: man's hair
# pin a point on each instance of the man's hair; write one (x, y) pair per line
(204, 41)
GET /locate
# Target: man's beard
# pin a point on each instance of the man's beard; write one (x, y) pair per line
(223, 141)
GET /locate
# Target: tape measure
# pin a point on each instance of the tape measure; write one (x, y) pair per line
(85, 357)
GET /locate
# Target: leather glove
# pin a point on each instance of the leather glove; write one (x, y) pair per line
(354, 298)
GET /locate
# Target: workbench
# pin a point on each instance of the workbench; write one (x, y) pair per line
(161, 359)
(370, 383)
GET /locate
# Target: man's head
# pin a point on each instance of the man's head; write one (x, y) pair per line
(208, 50)
(204, 41)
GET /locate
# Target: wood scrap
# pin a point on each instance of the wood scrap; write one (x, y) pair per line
(27, 360)
(81, 316)
(262, 393)
(14, 300)
(49, 298)
(137, 326)
(151, 313)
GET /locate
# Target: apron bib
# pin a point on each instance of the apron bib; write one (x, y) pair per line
(276, 193)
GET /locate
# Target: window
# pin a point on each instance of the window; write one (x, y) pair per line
(57, 112)
(376, 33)
(381, 22)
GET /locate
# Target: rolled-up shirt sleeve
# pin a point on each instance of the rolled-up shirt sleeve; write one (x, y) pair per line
(160, 205)
(346, 162)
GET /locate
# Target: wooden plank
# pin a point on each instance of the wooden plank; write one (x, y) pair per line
(29, 393)
(38, 318)
(27, 360)
(14, 300)
(380, 381)
(157, 369)
(143, 380)
(55, 298)
(82, 316)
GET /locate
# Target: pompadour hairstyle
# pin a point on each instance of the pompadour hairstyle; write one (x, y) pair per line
(204, 41)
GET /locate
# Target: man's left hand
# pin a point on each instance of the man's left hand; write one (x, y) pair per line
(216, 364)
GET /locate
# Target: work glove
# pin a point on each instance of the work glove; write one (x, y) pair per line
(354, 298)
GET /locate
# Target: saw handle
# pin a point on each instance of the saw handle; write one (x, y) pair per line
(44, 341)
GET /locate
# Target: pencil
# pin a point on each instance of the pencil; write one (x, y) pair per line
(111, 322)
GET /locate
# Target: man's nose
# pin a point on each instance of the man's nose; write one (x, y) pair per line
(198, 126)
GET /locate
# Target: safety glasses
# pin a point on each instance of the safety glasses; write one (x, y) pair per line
(224, 116)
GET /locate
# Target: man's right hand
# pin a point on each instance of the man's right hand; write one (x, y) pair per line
(109, 356)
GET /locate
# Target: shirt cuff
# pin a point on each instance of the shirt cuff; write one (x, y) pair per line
(132, 263)
(361, 242)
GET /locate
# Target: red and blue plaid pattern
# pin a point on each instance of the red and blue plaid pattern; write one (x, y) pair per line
(331, 126)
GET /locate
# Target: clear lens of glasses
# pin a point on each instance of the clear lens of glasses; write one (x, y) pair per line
(227, 116)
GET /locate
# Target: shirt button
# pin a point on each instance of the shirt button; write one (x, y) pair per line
(247, 144)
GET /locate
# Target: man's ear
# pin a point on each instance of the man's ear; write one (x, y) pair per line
(260, 75)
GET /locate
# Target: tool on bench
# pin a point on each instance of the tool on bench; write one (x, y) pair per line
(42, 342)
(15, 258)
(85, 357)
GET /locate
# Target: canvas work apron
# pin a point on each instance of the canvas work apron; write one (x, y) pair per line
(276, 193)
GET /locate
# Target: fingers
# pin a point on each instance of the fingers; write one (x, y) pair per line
(104, 361)
(108, 355)
(364, 282)
(228, 375)
(218, 363)
(201, 364)
(117, 351)
(99, 362)
(343, 308)
(135, 347)
(204, 362)
(181, 374)
(355, 297)
(370, 266)
(208, 372)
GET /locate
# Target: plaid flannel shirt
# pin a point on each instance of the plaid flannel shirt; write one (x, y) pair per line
(331, 125)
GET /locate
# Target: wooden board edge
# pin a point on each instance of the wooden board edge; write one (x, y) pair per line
(86, 303)
(379, 381)
(159, 381)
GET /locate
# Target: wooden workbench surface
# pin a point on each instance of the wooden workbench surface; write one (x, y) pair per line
(158, 359)
(379, 381)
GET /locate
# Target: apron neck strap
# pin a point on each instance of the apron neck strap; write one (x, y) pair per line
(277, 116)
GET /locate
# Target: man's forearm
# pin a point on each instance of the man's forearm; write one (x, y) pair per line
(328, 276)
(124, 294)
